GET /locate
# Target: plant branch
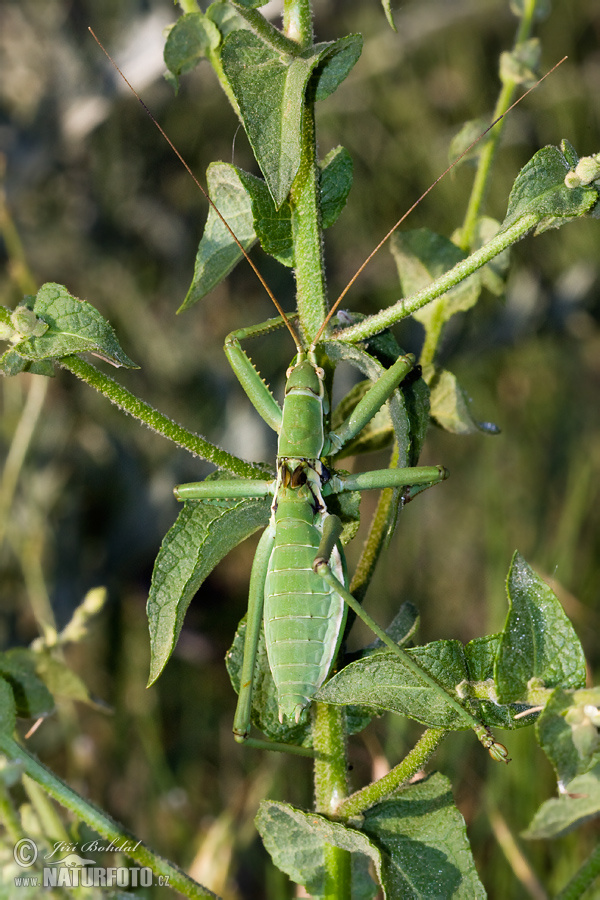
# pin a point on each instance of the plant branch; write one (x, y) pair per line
(99, 821)
(413, 762)
(158, 422)
(406, 306)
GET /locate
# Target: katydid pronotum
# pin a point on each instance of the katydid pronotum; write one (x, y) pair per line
(298, 587)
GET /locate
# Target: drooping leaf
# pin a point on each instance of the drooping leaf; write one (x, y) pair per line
(335, 184)
(192, 38)
(568, 731)
(422, 839)
(384, 681)
(521, 65)
(60, 680)
(421, 256)
(204, 533)
(540, 188)
(539, 649)
(579, 803)
(468, 139)
(450, 407)
(269, 89)
(296, 842)
(387, 8)
(69, 326)
(335, 62)
(31, 696)
(218, 253)
(8, 712)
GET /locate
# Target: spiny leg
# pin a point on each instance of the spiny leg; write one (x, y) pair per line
(331, 533)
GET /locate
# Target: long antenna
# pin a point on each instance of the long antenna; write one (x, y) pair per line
(205, 192)
(422, 197)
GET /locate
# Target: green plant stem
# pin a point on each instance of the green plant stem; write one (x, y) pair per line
(306, 230)
(583, 879)
(99, 821)
(407, 306)
(297, 21)
(52, 826)
(412, 763)
(158, 422)
(189, 6)
(486, 158)
(36, 394)
(267, 32)
(331, 788)
(375, 540)
(8, 815)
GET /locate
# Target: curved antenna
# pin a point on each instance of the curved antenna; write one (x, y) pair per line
(286, 321)
(422, 197)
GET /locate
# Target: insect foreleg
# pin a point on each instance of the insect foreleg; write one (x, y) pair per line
(257, 391)
(331, 533)
(372, 401)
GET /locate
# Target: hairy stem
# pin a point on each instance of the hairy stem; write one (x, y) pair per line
(158, 422)
(406, 306)
(486, 158)
(331, 788)
(100, 821)
(401, 774)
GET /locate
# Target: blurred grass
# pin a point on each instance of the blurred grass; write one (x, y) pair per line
(108, 211)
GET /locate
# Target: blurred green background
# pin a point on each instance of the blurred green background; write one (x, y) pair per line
(103, 206)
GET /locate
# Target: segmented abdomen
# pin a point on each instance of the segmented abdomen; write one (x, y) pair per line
(304, 618)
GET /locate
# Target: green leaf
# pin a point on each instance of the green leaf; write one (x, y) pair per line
(568, 731)
(423, 843)
(481, 692)
(192, 38)
(539, 649)
(8, 712)
(272, 226)
(73, 326)
(450, 407)
(60, 680)
(384, 681)
(13, 364)
(421, 256)
(265, 704)
(521, 8)
(335, 62)
(269, 88)
(218, 253)
(32, 697)
(387, 8)
(296, 842)
(520, 65)
(579, 803)
(335, 184)
(540, 188)
(204, 533)
(468, 139)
